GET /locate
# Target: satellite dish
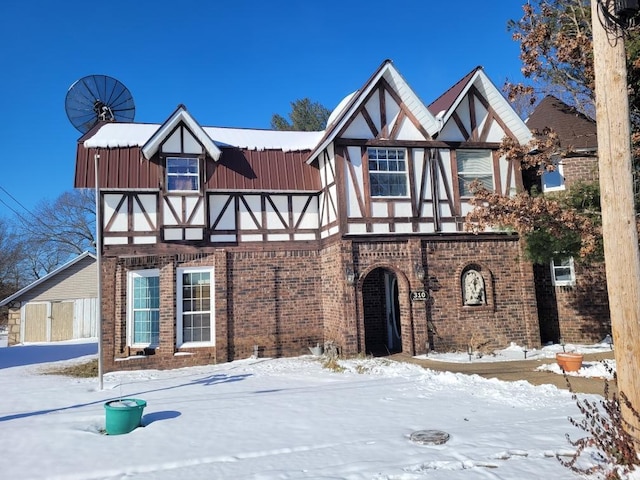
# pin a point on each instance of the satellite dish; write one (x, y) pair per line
(98, 98)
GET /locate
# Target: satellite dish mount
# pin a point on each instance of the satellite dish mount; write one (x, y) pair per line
(98, 98)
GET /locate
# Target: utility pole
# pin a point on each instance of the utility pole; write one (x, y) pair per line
(619, 232)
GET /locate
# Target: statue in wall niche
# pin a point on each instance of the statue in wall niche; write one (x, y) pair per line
(473, 288)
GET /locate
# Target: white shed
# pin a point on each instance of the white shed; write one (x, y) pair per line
(59, 306)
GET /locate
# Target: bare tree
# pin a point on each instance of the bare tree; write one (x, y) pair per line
(59, 229)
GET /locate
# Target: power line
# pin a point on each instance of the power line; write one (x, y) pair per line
(18, 202)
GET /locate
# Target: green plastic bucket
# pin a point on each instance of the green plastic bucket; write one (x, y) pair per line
(123, 415)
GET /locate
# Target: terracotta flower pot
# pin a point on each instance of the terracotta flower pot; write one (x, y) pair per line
(569, 362)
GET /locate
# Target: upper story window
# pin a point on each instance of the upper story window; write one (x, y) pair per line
(553, 179)
(474, 165)
(387, 172)
(562, 272)
(183, 174)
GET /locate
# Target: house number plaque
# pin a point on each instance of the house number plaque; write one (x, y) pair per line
(419, 296)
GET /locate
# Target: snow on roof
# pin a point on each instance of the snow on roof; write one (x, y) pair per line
(114, 135)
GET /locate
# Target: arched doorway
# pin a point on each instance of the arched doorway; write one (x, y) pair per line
(382, 330)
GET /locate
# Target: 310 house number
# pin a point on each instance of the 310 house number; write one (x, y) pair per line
(419, 296)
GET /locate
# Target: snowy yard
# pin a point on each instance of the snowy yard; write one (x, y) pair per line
(277, 419)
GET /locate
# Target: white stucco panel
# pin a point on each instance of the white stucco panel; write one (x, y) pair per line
(408, 131)
(172, 144)
(358, 128)
(379, 209)
(373, 109)
(450, 132)
(276, 217)
(227, 220)
(195, 210)
(145, 217)
(354, 182)
(119, 218)
(310, 217)
(403, 209)
(190, 144)
(392, 109)
(246, 220)
(168, 215)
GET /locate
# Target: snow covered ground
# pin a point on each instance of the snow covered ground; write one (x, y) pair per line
(280, 419)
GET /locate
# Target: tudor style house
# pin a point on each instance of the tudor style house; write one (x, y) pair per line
(222, 243)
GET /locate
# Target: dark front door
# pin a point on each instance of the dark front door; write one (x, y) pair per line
(382, 331)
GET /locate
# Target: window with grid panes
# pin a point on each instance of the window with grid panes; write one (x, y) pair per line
(387, 172)
(143, 307)
(195, 302)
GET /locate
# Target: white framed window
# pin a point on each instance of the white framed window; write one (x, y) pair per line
(553, 180)
(474, 165)
(183, 174)
(195, 306)
(562, 272)
(387, 172)
(143, 307)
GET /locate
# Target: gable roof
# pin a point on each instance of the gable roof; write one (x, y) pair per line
(350, 104)
(445, 105)
(180, 115)
(50, 275)
(125, 135)
(575, 130)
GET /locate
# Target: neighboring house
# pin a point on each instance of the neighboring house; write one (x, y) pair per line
(572, 299)
(59, 306)
(219, 243)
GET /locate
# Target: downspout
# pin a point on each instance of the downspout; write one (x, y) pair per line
(96, 157)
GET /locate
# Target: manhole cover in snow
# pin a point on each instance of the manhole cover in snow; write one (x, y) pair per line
(429, 437)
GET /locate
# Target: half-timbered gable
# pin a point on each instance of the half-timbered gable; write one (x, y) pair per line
(475, 119)
(220, 243)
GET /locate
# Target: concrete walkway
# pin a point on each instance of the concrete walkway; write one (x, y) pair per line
(512, 371)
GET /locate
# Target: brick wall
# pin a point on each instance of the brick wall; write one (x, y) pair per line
(575, 314)
(284, 301)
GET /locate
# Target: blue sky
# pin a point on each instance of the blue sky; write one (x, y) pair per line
(232, 63)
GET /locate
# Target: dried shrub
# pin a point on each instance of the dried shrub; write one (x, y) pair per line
(608, 441)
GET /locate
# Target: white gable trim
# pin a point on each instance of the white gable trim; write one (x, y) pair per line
(181, 115)
(402, 88)
(500, 104)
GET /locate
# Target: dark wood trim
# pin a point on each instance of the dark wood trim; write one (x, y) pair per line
(497, 177)
(455, 183)
(352, 177)
(452, 199)
(460, 124)
(360, 142)
(303, 212)
(492, 112)
(116, 210)
(433, 166)
(369, 120)
(396, 126)
(383, 113)
(218, 219)
(401, 104)
(136, 197)
(473, 122)
(366, 185)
